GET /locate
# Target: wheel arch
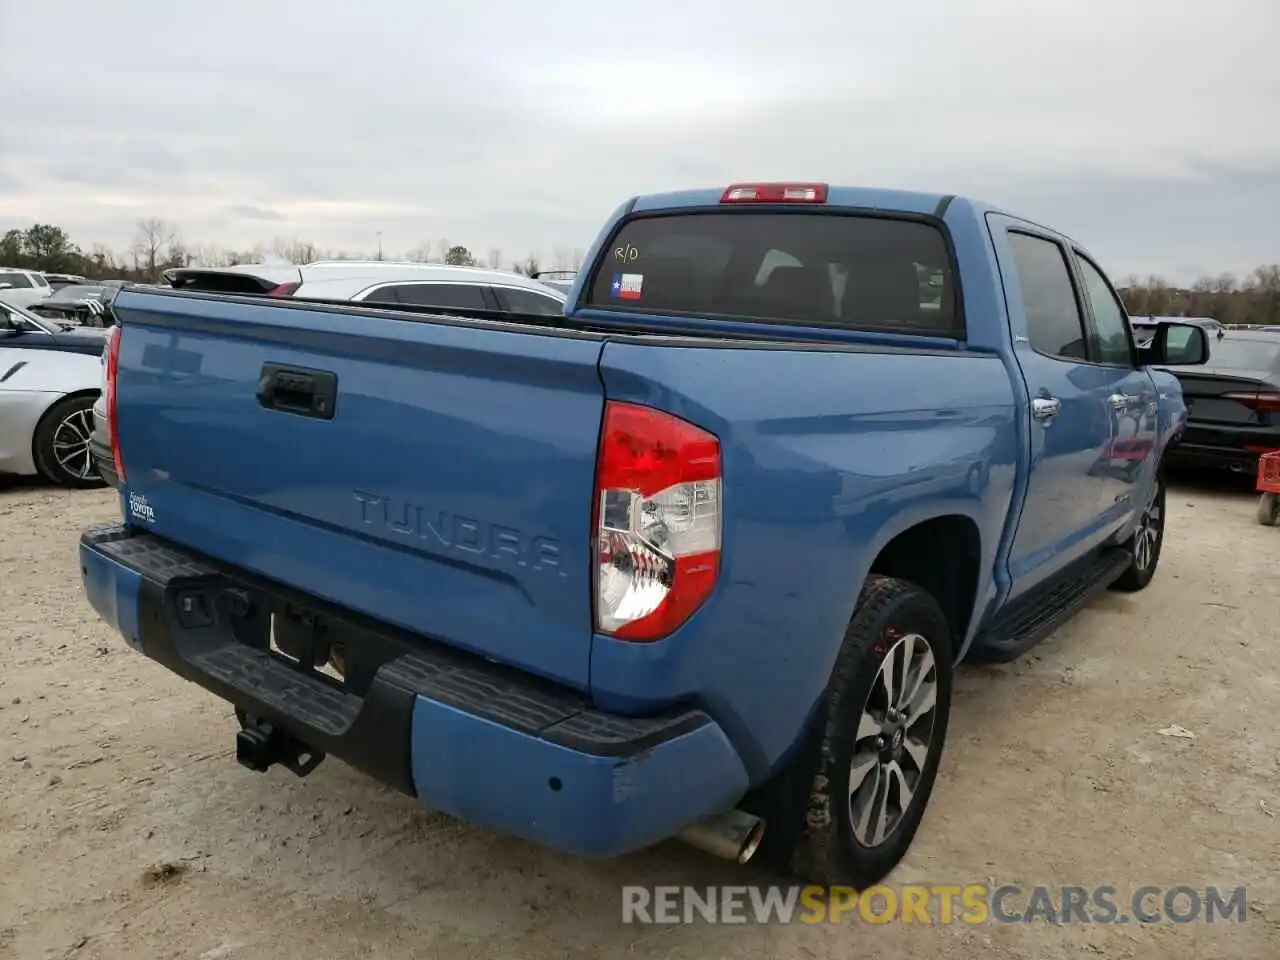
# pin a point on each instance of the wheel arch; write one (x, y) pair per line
(943, 555)
(93, 392)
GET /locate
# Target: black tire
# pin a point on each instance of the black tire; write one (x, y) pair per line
(1143, 561)
(61, 444)
(1268, 509)
(809, 809)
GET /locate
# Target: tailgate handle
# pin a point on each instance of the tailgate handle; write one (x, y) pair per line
(297, 390)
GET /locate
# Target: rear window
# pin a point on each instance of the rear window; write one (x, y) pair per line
(855, 272)
(1253, 353)
(16, 280)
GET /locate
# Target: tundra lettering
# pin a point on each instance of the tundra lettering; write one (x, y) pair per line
(458, 532)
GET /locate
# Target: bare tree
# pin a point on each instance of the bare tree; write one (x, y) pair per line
(442, 247)
(420, 254)
(152, 243)
(294, 250)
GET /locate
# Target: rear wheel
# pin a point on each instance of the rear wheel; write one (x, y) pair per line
(61, 444)
(1144, 546)
(865, 785)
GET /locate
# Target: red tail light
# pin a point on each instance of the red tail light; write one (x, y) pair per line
(113, 422)
(657, 521)
(283, 290)
(775, 193)
(1261, 402)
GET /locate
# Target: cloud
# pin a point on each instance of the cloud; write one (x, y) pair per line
(247, 212)
(1141, 128)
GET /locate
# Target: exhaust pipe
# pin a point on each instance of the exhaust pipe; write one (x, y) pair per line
(734, 835)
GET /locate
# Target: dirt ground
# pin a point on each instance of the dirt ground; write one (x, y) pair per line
(128, 830)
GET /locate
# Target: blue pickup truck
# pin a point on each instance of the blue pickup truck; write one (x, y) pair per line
(694, 560)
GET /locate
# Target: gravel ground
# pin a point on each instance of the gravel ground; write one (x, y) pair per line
(128, 830)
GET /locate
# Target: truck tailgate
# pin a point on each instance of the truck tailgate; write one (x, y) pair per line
(445, 487)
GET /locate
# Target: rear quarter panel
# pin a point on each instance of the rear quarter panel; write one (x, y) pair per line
(828, 453)
(31, 381)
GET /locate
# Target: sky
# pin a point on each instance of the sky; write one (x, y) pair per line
(1148, 130)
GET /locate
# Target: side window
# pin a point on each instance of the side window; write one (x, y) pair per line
(1054, 323)
(444, 295)
(18, 281)
(526, 301)
(1111, 319)
(382, 295)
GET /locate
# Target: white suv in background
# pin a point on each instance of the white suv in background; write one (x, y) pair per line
(379, 281)
(367, 281)
(22, 288)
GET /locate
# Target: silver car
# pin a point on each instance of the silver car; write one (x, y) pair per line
(50, 377)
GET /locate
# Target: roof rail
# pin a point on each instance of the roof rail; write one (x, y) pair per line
(393, 263)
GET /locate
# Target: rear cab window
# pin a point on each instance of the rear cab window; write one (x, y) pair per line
(849, 271)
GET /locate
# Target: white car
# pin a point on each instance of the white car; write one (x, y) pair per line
(50, 377)
(22, 287)
(377, 282)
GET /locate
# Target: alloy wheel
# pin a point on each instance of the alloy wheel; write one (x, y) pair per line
(71, 444)
(895, 735)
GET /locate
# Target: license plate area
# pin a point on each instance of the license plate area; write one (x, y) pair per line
(309, 642)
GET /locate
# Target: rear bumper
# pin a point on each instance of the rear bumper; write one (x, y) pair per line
(482, 742)
(104, 461)
(1207, 455)
(1224, 446)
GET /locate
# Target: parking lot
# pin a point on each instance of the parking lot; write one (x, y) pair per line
(128, 830)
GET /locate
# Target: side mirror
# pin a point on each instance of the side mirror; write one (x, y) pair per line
(1177, 344)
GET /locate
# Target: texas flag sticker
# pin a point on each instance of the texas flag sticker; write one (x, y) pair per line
(626, 286)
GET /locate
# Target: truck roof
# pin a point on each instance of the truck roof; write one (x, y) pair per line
(866, 198)
(906, 201)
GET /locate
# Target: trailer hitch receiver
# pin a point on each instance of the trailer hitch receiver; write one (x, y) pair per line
(261, 745)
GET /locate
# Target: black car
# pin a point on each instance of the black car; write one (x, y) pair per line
(82, 303)
(1233, 402)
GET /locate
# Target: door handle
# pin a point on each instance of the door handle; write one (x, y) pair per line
(1120, 401)
(1045, 408)
(297, 390)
